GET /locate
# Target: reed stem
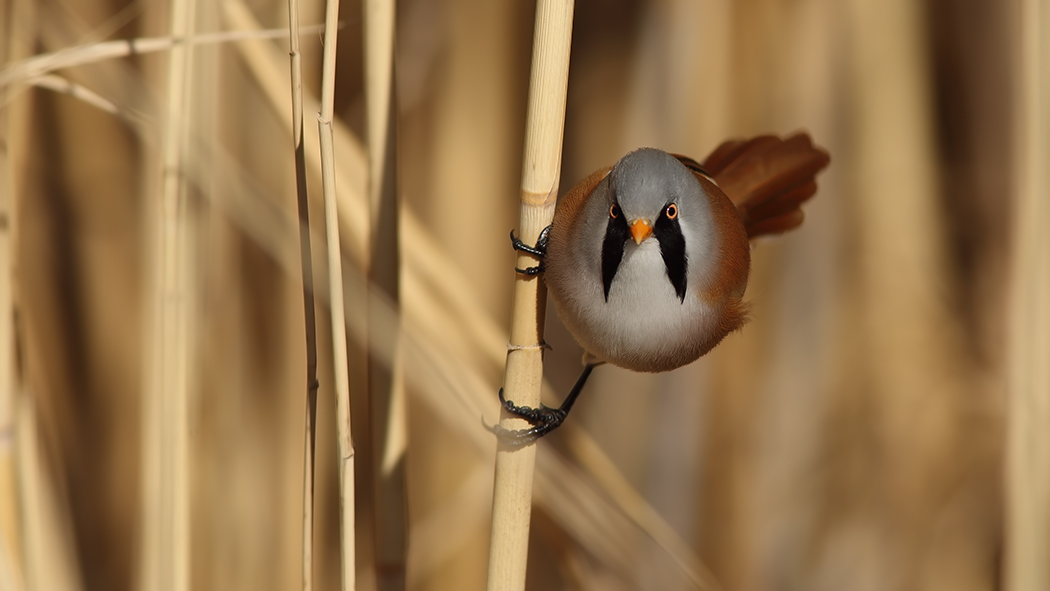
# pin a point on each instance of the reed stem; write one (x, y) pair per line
(310, 323)
(170, 377)
(11, 534)
(523, 378)
(1028, 414)
(386, 383)
(338, 312)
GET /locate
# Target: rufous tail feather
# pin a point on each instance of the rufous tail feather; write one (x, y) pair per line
(768, 179)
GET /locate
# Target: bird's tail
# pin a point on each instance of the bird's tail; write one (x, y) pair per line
(768, 179)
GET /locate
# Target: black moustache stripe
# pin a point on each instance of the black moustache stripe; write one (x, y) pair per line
(616, 236)
(672, 248)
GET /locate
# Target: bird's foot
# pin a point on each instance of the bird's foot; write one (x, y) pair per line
(543, 419)
(539, 251)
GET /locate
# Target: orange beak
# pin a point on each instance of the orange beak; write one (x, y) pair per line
(640, 230)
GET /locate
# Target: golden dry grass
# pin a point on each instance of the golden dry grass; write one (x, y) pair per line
(852, 436)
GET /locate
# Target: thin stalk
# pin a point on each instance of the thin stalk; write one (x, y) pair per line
(11, 535)
(50, 553)
(166, 493)
(310, 323)
(1028, 440)
(26, 70)
(523, 379)
(335, 286)
(386, 384)
(35, 524)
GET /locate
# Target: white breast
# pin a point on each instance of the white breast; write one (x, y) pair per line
(643, 326)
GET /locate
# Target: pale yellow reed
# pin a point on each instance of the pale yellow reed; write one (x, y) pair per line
(541, 170)
(347, 462)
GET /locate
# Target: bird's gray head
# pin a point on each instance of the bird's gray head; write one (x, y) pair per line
(652, 194)
(647, 180)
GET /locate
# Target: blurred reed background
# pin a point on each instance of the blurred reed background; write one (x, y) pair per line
(851, 437)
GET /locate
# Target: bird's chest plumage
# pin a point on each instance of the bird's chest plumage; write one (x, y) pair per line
(643, 325)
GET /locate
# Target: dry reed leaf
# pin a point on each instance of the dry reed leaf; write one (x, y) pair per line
(39, 65)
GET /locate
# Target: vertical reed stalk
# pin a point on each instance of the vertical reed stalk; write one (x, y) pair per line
(335, 284)
(36, 540)
(166, 492)
(50, 551)
(386, 384)
(306, 262)
(523, 378)
(1028, 439)
(11, 537)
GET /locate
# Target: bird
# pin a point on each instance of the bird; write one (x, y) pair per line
(647, 261)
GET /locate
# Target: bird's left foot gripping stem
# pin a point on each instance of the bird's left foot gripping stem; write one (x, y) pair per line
(539, 251)
(543, 419)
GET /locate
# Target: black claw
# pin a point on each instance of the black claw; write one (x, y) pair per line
(530, 271)
(539, 251)
(537, 416)
(543, 419)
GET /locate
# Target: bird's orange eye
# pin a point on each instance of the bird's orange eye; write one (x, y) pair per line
(614, 211)
(671, 212)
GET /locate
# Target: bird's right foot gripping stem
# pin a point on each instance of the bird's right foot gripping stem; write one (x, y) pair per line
(539, 251)
(543, 419)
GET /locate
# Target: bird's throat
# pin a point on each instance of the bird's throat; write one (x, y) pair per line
(672, 250)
